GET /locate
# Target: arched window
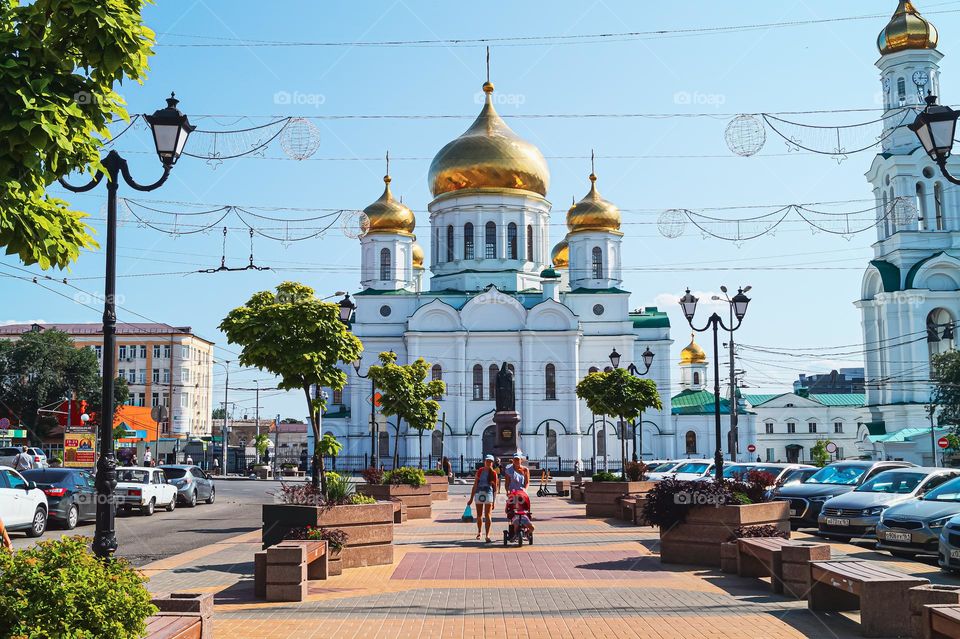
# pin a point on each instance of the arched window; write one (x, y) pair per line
(691, 441)
(938, 204)
(696, 379)
(512, 241)
(477, 382)
(601, 442)
(468, 241)
(921, 203)
(436, 449)
(494, 371)
(436, 374)
(550, 381)
(529, 242)
(386, 270)
(607, 369)
(902, 91)
(940, 331)
(490, 241)
(551, 442)
(597, 263)
(449, 243)
(384, 445)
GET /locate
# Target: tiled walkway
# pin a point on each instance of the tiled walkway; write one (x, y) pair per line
(582, 578)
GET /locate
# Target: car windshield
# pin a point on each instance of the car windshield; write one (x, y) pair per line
(894, 482)
(839, 474)
(692, 467)
(736, 469)
(131, 476)
(662, 468)
(174, 473)
(47, 476)
(9, 451)
(949, 491)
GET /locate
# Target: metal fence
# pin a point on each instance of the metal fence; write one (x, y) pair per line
(462, 465)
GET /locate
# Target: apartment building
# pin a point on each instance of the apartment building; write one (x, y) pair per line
(163, 365)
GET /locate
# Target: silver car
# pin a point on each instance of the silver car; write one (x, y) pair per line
(914, 527)
(949, 555)
(855, 514)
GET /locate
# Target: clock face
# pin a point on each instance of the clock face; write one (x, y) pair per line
(920, 78)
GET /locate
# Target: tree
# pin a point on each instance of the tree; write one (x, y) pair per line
(300, 339)
(328, 446)
(406, 395)
(61, 59)
(218, 413)
(289, 420)
(620, 394)
(946, 392)
(260, 444)
(818, 454)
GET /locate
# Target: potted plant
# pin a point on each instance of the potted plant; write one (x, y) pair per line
(405, 484)
(336, 539)
(697, 517)
(262, 471)
(603, 494)
(439, 486)
(288, 469)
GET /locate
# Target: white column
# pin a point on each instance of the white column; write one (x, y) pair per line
(466, 388)
(574, 410)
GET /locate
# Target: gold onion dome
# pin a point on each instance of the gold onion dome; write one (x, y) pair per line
(560, 256)
(692, 354)
(417, 256)
(593, 213)
(489, 155)
(907, 29)
(389, 215)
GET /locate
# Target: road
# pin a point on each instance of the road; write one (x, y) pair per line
(145, 539)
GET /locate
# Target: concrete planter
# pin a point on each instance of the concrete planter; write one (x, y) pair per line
(603, 497)
(698, 540)
(439, 487)
(263, 472)
(335, 563)
(416, 499)
(369, 529)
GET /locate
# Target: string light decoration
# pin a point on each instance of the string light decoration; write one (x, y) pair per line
(216, 146)
(300, 139)
(672, 222)
(355, 224)
(839, 142)
(745, 135)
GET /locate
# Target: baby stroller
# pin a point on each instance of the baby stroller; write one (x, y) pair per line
(518, 512)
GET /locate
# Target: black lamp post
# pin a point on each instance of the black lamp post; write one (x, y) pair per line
(633, 370)
(739, 305)
(170, 132)
(374, 426)
(347, 307)
(935, 127)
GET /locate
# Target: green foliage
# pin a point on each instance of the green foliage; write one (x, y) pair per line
(335, 537)
(953, 441)
(818, 454)
(357, 499)
(61, 60)
(434, 472)
(372, 475)
(405, 475)
(670, 499)
(218, 413)
(119, 432)
(605, 475)
(946, 394)
(329, 446)
(339, 489)
(300, 339)
(754, 532)
(261, 443)
(57, 589)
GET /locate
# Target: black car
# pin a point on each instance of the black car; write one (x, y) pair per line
(71, 496)
(192, 483)
(806, 498)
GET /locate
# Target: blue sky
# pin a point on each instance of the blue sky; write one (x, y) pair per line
(803, 283)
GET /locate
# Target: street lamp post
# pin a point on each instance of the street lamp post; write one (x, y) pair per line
(734, 439)
(170, 132)
(633, 370)
(739, 305)
(935, 127)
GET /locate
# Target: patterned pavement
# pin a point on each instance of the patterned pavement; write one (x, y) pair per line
(582, 578)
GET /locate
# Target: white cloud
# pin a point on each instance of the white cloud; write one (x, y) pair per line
(29, 321)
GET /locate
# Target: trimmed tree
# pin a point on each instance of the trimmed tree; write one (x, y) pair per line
(406, 395)
(818, 454)
(300, 339)
(620, 394)
(946, 392)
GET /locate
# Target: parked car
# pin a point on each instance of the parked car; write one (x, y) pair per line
(71, 495)
(914, 527)
(658, 472)
(797, 476)
(948, 555)
(855, 514)
(145, 489)
(807, 498)
(8, 455)
(691, 469)
(191, 482)
(23, 506)
(778, 470)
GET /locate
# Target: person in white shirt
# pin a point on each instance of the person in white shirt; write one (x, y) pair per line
(23, 461)
(147, 458)
(189, 459)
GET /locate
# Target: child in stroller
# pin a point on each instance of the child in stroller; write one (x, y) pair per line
(519, 515)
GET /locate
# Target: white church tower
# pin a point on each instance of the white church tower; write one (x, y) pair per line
(389, 249)
(909, 300)
(693, 367)
(594, 240)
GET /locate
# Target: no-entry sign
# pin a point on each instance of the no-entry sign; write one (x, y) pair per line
(943, 442)
(751, 448)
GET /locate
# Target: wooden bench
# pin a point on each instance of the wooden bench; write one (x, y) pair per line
(282, 572)
(187, 610)
(563, 488)
(941, 621)
(881, 594)
(166, 625)
(628, 506)
(761, 557)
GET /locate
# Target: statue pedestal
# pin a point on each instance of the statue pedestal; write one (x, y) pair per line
(508, 433)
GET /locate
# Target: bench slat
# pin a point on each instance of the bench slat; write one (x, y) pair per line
(858, 571)
(173, 627)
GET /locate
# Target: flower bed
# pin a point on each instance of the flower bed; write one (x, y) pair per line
(407, 485)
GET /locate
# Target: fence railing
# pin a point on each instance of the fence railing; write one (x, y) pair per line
(463, 465)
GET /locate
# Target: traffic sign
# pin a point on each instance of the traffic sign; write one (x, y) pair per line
(4, 422)
(751, 448)
(377, 397)
(943, 442)
(831, 447)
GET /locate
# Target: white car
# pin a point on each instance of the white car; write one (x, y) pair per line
(23, 506)
(144, 489)
(8, 457)
(691, 469)
(658, 472)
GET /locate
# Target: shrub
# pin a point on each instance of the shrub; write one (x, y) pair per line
(753, 485)
(671, 499)
(339, 489)
(288, 466)
(334, 537)
(434, 472)
(58, 588)
(604, 475)
(405, 475)
(358, 499)
(372, 475)
(636, 471)
(300, 494)
(753, 532)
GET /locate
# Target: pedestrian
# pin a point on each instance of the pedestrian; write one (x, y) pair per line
(4, 537)
(23, 461)
(447, 469)
(216, 466)
(189, 459)
(147, 458)
(485, 486)
(516, 476)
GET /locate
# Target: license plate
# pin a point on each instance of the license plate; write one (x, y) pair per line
(895, 536)
(794, 513)
(955, 554)
(832, 521)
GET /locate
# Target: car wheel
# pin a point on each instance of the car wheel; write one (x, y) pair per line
(213, 495)
(193, 499)
(903, 554)
(39, 523)
(73, 516)
(172, 504)
(147, 510)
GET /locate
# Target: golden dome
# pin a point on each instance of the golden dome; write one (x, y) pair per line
(560, 256)
(389, 215)
(593, 213)
(692, 354)
(488, 155)
(417, 256)
(907, 29)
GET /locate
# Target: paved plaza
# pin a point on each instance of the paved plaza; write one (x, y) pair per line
(582, 578)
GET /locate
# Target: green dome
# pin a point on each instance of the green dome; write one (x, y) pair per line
(549, 273)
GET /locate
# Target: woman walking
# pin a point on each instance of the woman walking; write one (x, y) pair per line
(485, 486)
(516, 476)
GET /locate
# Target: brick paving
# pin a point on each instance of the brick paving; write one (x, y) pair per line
(582, 578)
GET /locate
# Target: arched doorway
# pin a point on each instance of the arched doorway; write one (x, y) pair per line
(489, 439)
(793, 453)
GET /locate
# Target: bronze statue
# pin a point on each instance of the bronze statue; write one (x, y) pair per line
(505, 398)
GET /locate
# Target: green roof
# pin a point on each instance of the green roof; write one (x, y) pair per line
(876, 428)
(756, 400)
(912, 273)
(549, 273)
(889, 275)
(650, 317)
(839, 399)
(691, 402)
(905, 435)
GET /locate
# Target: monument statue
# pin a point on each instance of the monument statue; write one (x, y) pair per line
(505, 398)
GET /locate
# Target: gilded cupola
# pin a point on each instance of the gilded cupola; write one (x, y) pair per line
(906, 30)
(560, 256)
(593, 213)
(417, 256)
(692, 354)
(389, 215)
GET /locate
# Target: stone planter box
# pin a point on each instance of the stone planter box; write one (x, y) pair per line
(335, 563)
(262, 472)
(576, 492)
(439, 487)
(369, 529)
(603, 497)
(697, 541)
(417, 500)
(729, 557)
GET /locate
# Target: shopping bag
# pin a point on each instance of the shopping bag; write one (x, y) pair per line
(468, 513)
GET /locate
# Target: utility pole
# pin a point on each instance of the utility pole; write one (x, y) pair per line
(276, 443)
(256, 452)
(932, 408)
(224, 428)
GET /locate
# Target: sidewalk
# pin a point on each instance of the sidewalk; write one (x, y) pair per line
(583, 578)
